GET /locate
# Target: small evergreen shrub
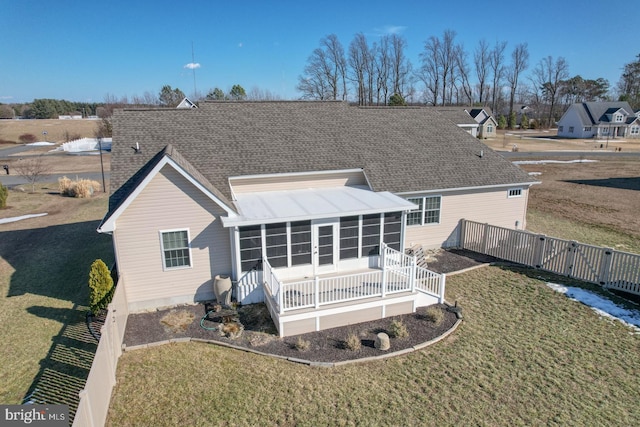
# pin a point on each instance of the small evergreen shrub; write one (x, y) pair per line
(4, 194)
(353, 342)
(100, 286)
(398, 329)
(434, 315)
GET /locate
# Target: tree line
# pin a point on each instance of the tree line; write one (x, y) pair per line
(380, 73)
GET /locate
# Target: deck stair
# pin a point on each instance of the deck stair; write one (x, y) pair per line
(418, 252)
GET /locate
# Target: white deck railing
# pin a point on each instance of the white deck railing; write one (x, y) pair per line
(398, 273)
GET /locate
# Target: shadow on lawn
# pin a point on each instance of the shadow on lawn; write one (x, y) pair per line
(632, 183)
(54, 261)
(64, 370)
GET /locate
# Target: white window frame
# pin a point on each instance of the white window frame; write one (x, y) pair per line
(423, 210)
(514, 192)
(635, 130)
(618, 118)
(163, 251)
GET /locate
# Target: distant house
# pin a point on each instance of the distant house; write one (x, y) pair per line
(186, 103)
(305, 206)
(460, 118)
(599, 120)
(484, 118)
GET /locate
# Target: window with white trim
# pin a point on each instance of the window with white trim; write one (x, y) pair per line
(587, 129)
(489, 128)
(428, 211)
(250, 247)
(635, 130)
(175, 249)
(618, 118)
(515, 192)
(276, 244)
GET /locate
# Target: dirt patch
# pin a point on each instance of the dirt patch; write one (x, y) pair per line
(605, 193)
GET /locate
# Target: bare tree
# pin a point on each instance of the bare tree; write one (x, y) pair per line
(448, 61)
(383, 70)
(519, 63)
(33, 169)
(496, 64)
(463, 74)
(548, 76)
(325, 73)
(360, 61)
(257, 94)
(481, 61)
(430, 71)
(400, 65)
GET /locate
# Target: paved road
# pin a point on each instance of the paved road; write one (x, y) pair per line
(5, 153)
(573, 154)
(13, 180)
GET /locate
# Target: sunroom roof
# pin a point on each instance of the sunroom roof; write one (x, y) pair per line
(269, 207)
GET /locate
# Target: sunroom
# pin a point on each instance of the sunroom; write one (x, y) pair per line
(322, 249)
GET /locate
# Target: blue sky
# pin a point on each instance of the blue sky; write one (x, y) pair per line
(82, 51)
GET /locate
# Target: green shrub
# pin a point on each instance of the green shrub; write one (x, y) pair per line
(398, 329)
(100, 286)
(4, 194)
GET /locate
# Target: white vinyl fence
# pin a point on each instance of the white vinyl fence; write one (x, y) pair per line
(96, 396)
(604, 266)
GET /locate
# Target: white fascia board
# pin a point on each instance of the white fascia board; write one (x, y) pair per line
(110, 225)
(482, 187)
(293, 174)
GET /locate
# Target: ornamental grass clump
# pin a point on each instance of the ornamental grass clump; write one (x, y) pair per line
(398, 329)
(302, 345)
(353, 342)
(80, 188)
(434, 315)
(4, 194)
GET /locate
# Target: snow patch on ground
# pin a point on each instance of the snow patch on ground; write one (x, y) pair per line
(535, 173)
(19, 218)
(601, 305)
(36, 144)
(544, 162)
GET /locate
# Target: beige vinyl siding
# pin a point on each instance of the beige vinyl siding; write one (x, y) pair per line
(296, 182)
(492, 206)
(170, 202)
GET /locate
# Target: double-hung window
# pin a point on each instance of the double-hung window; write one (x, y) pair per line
(427, 212)
(175, 249)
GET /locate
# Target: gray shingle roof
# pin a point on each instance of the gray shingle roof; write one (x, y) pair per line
(592, 113)
(401, 150)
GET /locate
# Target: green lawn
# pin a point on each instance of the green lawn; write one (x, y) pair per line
(525, 355)
(44, 267)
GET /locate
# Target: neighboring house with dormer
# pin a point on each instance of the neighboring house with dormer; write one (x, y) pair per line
(305, 206)
(487, 124)
(599, 120)
(460, 118)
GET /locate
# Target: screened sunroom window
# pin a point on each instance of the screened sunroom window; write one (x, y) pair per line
(301, 242)
(276, 244)
(250, 247)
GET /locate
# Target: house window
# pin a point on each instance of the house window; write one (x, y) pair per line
(489, 128)
(349, 235)
(635, 130)
(301, 242)
(414, 217)
(618, 118)
(587, 129)
(560, 128)
(428, 211)
(393, 230)
(605, 131)
(570, 129)
(175, 249)
(370, 234)
(515, 192)
(276, 244)
(250, 247)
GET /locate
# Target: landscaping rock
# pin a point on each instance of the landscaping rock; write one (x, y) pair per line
(382, 342)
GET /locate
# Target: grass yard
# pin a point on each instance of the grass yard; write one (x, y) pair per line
(57, 130)
(44, 267)
(525, 355)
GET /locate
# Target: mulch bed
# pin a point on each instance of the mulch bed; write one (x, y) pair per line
(324, 346)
